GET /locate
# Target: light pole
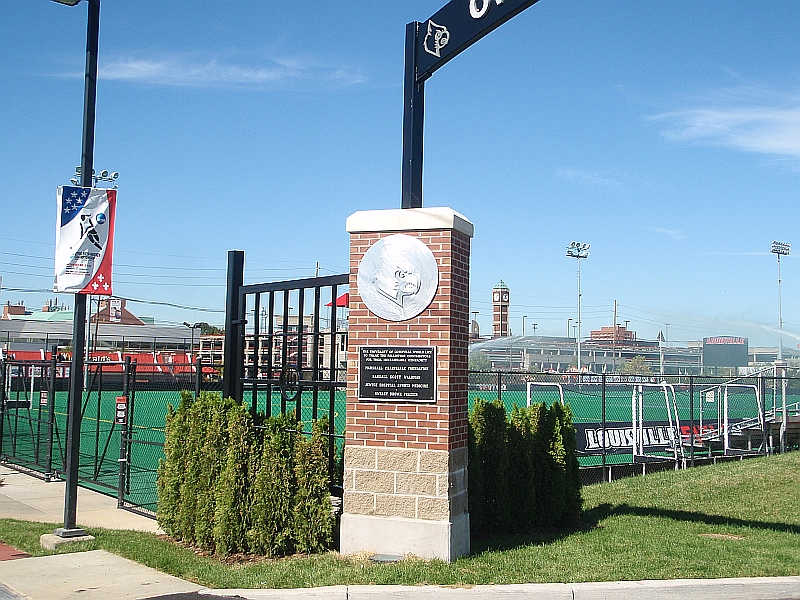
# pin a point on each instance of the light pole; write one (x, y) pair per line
(191, 350)
(568, 322)
(79, 316)
(523, 323)
(577, 250)
(475, 314)
(780, 249)
(535, 325)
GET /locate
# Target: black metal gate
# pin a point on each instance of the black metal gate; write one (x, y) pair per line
(290, 351)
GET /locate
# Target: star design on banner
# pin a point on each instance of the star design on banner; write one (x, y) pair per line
(100, 278)
(95, 286)
(106, 286)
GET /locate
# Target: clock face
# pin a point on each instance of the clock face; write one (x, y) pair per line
(505, 297)
(497, 297)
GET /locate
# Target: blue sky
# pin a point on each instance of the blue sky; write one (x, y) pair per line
(665, 134)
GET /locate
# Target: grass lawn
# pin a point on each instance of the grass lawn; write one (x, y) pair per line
(730, 520)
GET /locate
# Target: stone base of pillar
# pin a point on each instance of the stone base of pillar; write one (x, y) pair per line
(445, 540)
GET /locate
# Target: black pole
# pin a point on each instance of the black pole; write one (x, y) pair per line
(603, 419)
(198, 380)
(233, 352)
(413, 123)
(79, 315)
(123, 441)
(51, 413)
(691, 419)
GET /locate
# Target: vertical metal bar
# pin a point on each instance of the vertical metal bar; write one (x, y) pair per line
(232, 315)
(99, 379)
(198, 380)
(691, 418)
(271, 345)
(763, 386)
(3, 367)
(129, 427)
(603, 418)
(413, 123)
(333, 361)
(123, 442)
(315, 351)
(51, 414)
(285, 344)
(300, 309)
(500, 386)
(256, 354)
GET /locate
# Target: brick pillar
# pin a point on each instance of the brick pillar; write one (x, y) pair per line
(405, 463)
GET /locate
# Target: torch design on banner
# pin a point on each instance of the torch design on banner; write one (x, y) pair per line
(85, 240)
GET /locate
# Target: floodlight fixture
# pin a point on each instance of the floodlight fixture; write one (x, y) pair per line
(103, 176)
(578, 250)
(781, 248)
(68, 2)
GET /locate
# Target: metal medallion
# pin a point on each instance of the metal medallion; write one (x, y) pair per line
(398, 277)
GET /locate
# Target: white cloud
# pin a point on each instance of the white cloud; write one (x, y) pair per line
(748, 118)
(590, 177)
(214, 71)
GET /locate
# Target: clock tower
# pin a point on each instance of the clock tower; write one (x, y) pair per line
(500, 298)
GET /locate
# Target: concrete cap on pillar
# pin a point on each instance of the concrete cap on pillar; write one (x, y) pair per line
(409, 219)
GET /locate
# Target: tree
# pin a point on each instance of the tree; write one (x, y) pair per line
(478, 361)
(206, 329)
(635, 366)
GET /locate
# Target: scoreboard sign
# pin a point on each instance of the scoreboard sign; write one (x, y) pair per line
(725, 351)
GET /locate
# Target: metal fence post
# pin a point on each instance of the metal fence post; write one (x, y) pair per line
(500, 386)
(51, 414)
(234, 326)
(198, 380)
(3, 367)
(603, 419)
(691, 419)
(123, 442)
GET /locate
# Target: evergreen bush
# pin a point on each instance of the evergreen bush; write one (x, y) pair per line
(523, 470)
(228, 484)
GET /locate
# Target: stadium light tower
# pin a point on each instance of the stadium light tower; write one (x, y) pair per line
(577, 250)
(780, 249)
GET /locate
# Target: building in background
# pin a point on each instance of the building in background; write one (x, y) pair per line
(500, 304)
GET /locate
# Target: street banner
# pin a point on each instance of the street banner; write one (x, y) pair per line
(84, 240)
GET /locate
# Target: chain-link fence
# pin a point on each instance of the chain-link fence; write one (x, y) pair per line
(625, 424)
(123, 416)
(632, 424)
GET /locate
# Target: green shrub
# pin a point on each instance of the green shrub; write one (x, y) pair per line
(274, 489)
(313, 517)
(229, 485)
(490, 430)
(231, 519)
(523, 471)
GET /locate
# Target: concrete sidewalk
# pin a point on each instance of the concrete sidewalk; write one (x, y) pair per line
(101, 575)
(759, 588)
(30, 499)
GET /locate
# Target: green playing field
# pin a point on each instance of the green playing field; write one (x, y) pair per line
(26, 429)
